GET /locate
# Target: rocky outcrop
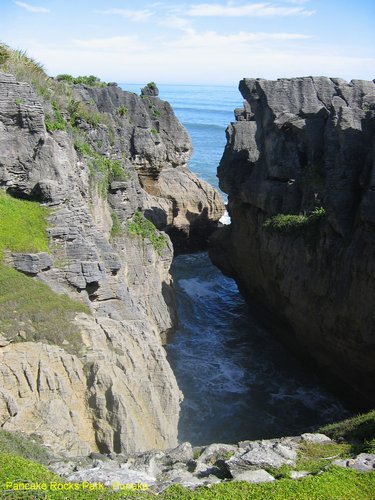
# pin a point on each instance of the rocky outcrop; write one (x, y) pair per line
(158, 146)
(299, 169)
(251, 461)
(113, 390)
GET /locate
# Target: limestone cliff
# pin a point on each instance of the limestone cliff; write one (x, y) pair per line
(98, 158)
(299, 169)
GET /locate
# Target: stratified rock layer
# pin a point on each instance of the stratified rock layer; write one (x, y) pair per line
(306, 146)
(114, 391)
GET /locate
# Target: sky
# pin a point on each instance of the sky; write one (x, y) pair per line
(194, 42)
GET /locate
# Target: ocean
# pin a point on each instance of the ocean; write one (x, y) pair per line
(238, 381)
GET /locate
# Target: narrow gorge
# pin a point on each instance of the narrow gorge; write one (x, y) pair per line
(111, 309)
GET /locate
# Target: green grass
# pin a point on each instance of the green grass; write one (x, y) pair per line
(23, 225)
(27, 305)
(290, 222)
(122, 111)
(15, 443)
(17, 472)
(358, 430)
(141, 227)
(360, 427)
(335, 484)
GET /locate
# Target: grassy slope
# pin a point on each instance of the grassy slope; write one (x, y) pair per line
(28, 305)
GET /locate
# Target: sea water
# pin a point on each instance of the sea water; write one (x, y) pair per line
(238, 381)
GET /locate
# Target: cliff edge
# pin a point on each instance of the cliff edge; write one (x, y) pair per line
(299, 169)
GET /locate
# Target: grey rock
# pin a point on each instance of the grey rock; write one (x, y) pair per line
(254, 476)
(125, 282)
(364, 462)
(182, 453)
(299, 474)
(301, 144)
(315, 438)
(31, 263)
(261, 454)
(111, 474)
(216, 451)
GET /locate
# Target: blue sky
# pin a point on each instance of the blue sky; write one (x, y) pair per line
(193, 41)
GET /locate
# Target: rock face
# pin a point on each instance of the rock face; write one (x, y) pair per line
(305, 148)
(117, 392)
(174, 199)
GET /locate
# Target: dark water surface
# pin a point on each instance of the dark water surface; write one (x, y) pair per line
(238, 381)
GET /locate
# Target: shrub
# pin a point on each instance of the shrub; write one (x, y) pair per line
(90, 81)
(145, 229)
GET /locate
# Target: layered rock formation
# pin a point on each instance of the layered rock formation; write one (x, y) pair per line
(114, 389)
(158, 146)
(299, 169)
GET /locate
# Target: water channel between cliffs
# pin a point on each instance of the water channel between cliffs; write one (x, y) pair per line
(238, 381)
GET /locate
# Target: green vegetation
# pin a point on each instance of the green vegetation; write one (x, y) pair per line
(359, 429)
(335, 484)
(116, 229)
(290, 222)
(151, 85)
(145, 229)
(23, 225)
(122, 111)
(91, 81)
(57, 121)
(29, 310)
(154, 131)
(26, 69)
(15, 443)
(102, 168)
(79, 111)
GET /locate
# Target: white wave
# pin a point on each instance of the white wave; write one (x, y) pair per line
(197, 288)
(225, 219)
